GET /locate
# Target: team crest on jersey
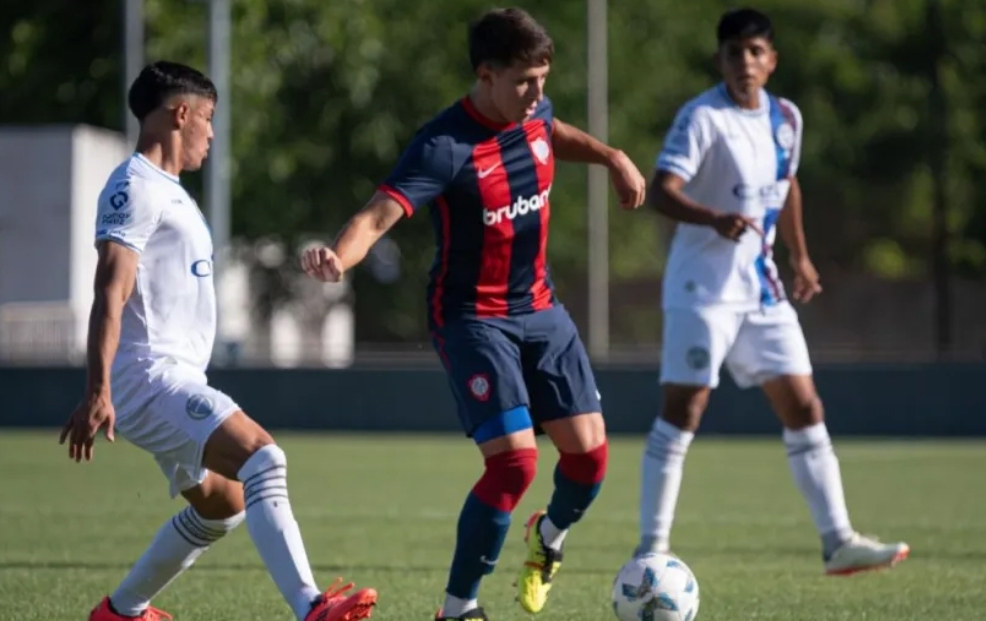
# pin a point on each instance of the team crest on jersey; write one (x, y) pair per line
(784, 134)
(541, 150)
(479, 386)
(199, 407)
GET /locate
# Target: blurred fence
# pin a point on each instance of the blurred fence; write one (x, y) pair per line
(273, 315)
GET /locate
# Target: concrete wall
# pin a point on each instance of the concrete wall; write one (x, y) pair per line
(881, 400)
(50, 179)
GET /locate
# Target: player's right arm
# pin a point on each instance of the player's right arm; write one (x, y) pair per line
(124, 223)
(353, 243)
(679, 161)
(116, 275)
(423, 172)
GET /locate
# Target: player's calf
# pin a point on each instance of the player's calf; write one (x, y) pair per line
(583, 458)
(216, 508)
(811, 457)
(663, 463)
(510, 453)
(242, 450)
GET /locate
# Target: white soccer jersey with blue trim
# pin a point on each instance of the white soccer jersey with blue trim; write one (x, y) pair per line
(171, 315)
(734, 161)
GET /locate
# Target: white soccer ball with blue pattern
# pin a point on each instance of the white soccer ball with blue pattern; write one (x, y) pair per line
(655, 587)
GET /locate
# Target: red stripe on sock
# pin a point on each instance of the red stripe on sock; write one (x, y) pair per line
(507, 477)
(585, 468)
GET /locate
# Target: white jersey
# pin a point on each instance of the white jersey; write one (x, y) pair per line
(734, 161)
(170, 318)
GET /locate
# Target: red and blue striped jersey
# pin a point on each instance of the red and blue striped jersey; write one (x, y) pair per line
(487, 186)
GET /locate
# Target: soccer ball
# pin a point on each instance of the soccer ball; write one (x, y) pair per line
(655, 587)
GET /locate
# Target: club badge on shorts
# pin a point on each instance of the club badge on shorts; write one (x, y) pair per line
(479, 386)
(199, 407)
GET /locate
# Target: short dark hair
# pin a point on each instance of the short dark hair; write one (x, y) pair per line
(744, 24)
(502, 37)
(162, 80)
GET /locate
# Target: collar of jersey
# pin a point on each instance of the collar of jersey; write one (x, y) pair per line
(482, 119)
(764, 101)
(148, 163)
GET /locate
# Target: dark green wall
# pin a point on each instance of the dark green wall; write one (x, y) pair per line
(885, 400)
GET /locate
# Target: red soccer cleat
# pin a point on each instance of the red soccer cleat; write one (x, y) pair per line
(104, 612)
(334, 605)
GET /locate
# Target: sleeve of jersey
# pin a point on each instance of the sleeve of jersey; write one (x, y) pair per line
(685, 145)
(125, 216)
(798, 135)
(422, 173)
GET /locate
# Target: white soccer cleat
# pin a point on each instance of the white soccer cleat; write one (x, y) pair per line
(865, 553)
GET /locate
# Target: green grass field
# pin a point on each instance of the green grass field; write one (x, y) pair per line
(381, 510)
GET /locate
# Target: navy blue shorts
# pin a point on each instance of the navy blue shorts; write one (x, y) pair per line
(537, 361)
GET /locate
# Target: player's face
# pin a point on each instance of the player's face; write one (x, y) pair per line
(516, 90)
(195, 125)
(746, 65)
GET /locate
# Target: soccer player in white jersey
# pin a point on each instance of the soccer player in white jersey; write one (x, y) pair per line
(727, 175)
(151, 333)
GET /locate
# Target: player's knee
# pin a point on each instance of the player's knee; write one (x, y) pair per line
(805, 413)
(684, 406)
(265, 475)
(587, 468)
(233, 444)
(507, 477)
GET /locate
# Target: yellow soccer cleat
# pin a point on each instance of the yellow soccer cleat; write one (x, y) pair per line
(539, 569)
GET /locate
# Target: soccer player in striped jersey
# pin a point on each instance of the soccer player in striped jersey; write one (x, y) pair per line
(514, 358)
(727, 175)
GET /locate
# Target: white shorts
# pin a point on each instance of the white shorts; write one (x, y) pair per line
(171, 415)
(755, 345)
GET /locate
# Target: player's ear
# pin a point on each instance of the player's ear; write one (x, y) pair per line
(181, 113)
(485, 73)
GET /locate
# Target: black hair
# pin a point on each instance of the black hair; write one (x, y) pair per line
(744, 23)
(162, 80)
(502, 37)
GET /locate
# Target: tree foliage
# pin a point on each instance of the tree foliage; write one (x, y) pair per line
(324, 96)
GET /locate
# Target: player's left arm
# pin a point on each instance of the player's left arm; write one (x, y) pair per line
(790, 226)
(574, 145)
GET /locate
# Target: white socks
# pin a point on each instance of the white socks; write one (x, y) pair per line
(456, 606)
(816, 472)
(660, 481)
(274, 531)
(552, 536)
(175, 547)
(813, 464)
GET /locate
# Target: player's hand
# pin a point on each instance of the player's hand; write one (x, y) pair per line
(630, 185)
(322, 264)
(733, 226)
(94, 413)
(806, 280)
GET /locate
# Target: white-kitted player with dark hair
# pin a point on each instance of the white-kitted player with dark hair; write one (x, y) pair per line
(727, 175)
(151, 333)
